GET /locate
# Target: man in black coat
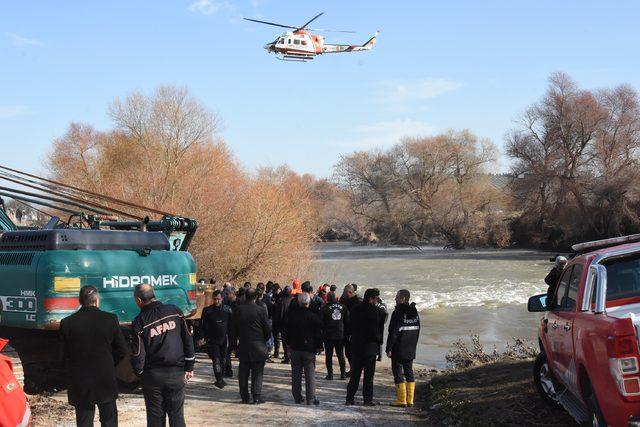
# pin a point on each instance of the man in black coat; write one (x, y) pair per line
(93, 346)
(349, 299)
(216, 326)
(280, 312)
(366, 338)
(229, 300)
(334, 317)
(250, 327)
(402, 340)
(305, 340)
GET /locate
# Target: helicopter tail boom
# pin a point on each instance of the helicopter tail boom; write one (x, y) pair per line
(337, 48)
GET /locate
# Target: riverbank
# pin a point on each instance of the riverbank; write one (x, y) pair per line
(495, 394)
(206, 405)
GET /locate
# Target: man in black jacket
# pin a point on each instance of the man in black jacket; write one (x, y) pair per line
(334, 317)
(250, 328)
(305, 340)
(349, 299)
(93, 346)
(229, 300)
(280, 312)
(402, 340)
(216, 326)
(554, 275)
(163, 353)
(366, 337)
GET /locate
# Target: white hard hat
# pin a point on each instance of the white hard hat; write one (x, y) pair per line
(561, 261)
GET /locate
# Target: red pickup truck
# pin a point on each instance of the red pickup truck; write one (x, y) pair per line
(588, 336)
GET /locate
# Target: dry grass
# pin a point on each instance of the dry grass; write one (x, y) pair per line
(467, 354)
(495, 394)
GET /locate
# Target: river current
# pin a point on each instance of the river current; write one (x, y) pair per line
(457, 292)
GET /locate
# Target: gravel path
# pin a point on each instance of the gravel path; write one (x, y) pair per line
(206, 405)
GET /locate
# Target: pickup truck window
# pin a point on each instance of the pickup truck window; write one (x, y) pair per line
(559, 299)
(623, 278)
(574, 285)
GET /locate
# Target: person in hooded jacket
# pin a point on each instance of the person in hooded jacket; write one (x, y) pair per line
(402, 340)
(334, 316)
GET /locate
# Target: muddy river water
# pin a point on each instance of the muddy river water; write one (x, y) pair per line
(457, 292)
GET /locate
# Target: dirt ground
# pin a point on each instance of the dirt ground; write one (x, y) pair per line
(496, 394)
(206, 405)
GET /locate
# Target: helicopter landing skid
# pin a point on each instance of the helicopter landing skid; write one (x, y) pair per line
(295, 58)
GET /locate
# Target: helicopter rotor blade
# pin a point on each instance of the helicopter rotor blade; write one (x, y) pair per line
(310, 21)
(270, 23)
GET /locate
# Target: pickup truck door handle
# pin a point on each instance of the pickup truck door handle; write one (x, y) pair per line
(554, 325)
(567, 327)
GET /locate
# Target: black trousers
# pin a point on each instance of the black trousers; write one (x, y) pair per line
(303, 361)
(228, 371)
(163, 391)
(108, 414)
(368, 365)
(276, 342)
(400, 366)
(256, 370)
(218, 354)
(329, 346)
(347, 350)
(285, 345)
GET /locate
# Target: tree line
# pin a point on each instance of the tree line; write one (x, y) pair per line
(573, 176)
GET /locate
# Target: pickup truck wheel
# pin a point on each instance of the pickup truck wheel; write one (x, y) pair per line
(544, 381)
(595, 415)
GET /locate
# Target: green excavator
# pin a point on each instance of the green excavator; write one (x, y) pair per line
(109, 243)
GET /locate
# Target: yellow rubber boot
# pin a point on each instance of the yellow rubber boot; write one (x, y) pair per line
(411, 391)
(401, 395)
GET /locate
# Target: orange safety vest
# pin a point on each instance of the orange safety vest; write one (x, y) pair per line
(14, 408)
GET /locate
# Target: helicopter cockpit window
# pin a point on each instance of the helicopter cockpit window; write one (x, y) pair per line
(281, 41)
(296, 41)
(304, 42)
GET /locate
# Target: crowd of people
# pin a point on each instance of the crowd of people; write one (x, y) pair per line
(255, 324)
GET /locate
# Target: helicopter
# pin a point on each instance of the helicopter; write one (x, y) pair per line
(300, 45)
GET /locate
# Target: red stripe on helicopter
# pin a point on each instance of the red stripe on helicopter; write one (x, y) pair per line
(55, 304)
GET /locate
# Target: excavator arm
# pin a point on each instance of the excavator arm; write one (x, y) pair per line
(5, 222)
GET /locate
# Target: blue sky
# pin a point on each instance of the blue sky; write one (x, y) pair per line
(437, 65)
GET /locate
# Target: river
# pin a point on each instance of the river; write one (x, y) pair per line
(457, 292)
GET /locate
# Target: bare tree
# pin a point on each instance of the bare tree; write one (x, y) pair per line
(575, 155)
(164, 152)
